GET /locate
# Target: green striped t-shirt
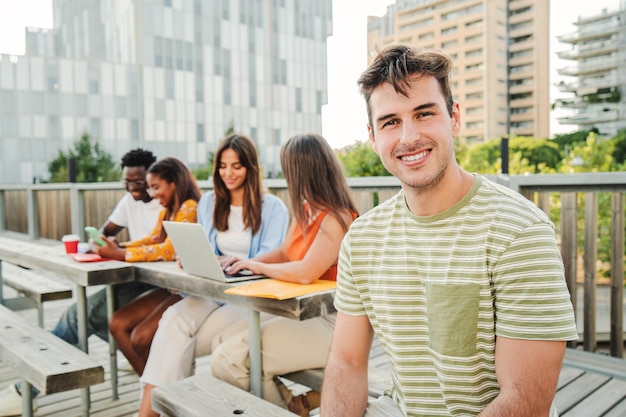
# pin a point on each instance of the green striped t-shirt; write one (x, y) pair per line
(439, 289)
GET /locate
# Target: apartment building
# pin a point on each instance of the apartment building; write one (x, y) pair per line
(596, 78)
(168, 75)
(500, 49)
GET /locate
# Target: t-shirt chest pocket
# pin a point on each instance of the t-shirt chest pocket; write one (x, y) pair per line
(452, 311)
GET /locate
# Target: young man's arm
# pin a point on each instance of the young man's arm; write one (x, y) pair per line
(527, 372)
(344, 392)
(110, 229)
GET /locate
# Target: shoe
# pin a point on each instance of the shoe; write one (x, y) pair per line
(123, 365)
(299, 404)
(11, 402)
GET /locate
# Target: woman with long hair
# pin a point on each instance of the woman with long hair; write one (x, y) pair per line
(133, 326)
(241, 221)
(322, 212)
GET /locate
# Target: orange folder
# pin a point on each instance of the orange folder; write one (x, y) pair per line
(280, 290)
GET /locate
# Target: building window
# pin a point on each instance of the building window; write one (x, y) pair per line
(474, 24)
(451, 29)
(426, 36)
(199, 132)
(474, 53)
(276, 141)
(474, 96)
(299, 100)
(475, 38)
(450, 44)
(474, 67)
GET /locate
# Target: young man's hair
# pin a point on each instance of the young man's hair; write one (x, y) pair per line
(138, 158)
(314, 174)
(253, 189)
(400, 64)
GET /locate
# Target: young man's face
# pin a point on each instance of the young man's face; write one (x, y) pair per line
(135, 182)
(414, 135)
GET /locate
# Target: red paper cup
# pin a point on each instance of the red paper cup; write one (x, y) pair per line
(71, 243)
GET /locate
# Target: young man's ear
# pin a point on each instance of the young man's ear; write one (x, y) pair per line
(370, 132)
(456, 118)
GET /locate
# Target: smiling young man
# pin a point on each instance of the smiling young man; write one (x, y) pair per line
(459, 278)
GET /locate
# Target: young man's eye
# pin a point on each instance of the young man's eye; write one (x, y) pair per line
(389, 123)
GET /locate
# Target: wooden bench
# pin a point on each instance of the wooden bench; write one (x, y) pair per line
(204, 395)
(43, 360)
(590, 384)
(36, 288)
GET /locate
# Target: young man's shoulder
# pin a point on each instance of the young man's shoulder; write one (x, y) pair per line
(504, 201)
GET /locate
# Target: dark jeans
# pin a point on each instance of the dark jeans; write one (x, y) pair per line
(97, 323)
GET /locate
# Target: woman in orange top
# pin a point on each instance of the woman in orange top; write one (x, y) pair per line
(133, 326)
(322, 212)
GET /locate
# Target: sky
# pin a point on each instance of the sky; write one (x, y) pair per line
(344, 120)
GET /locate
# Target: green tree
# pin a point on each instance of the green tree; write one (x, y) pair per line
(360, 160)
(618, 149)
(540, 154)
(568, 139)
(93, 164)
(205, 171)
(526, 155)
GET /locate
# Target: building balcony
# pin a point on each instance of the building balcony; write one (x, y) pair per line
(587, 86)
(591, 32)
(590, 118)
(590, 50)
(598, 65)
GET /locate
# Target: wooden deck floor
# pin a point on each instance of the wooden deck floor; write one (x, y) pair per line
(589, 385)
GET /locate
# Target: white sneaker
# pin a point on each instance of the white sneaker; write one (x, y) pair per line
(11, 402)
(123, 365)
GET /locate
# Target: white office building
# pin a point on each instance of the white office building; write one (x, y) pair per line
(168, 75)
(597, 73)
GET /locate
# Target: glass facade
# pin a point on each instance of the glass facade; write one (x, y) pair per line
(170, 76)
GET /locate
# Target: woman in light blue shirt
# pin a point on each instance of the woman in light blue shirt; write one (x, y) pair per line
(242, 222)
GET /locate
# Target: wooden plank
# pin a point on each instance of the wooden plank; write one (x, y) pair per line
(619, 410)
(54, 259)
(600, 401)
(204, 395)
(39, 286)
(47, 362)
(617, 275)
(567, 375)
(596, 363)
(589, 263)
(573, 393)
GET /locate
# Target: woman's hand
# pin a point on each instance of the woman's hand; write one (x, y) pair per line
(227, 261)
(110, 250)
(248, 264)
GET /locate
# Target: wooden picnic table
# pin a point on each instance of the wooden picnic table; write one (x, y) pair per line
(168, 275)
(52, 258)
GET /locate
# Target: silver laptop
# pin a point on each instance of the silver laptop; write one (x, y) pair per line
(197, 255)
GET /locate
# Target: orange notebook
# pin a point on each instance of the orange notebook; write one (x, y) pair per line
(280, 290)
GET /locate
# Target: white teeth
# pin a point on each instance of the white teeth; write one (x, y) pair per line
(415, 157)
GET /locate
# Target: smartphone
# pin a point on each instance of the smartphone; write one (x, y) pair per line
(94, 234)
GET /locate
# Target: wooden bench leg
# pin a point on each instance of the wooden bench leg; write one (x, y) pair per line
(27, 399)
(40, 314)
(112, 345)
